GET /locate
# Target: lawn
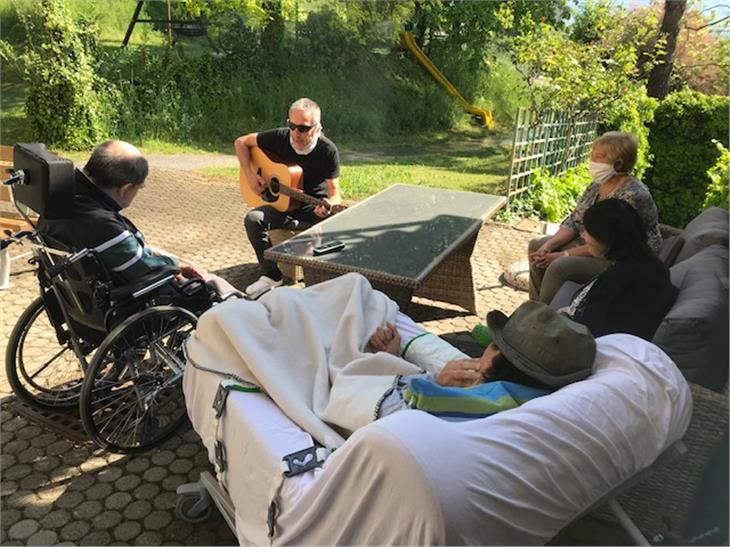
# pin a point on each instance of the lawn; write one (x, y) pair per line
(453, 161)
(13, 125)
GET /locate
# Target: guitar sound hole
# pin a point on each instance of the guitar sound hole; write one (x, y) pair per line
(271, 194)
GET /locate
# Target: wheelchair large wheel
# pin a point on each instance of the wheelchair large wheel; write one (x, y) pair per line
(131, 399)
(41, 372)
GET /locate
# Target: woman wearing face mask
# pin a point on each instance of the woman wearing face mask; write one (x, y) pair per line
(565, 255)
(635, 292)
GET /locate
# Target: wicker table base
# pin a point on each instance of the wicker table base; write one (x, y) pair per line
(451, 281)
(406, 240)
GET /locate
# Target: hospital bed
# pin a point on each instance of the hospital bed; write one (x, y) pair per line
(517, 477)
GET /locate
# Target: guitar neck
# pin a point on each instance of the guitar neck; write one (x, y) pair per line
(301, 196)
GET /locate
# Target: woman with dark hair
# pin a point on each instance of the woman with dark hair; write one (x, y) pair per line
(635, 292)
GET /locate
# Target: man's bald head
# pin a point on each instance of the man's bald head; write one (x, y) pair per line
(115, 163)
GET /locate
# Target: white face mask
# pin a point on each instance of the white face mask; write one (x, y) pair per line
(306, 150)
(601, 172)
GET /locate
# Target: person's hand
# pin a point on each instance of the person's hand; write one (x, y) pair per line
(543, 261)
(385, 339)
(565, 310)
(461, 373)
(538, 257)
(256, 182)
(190, 270)
(323, 211)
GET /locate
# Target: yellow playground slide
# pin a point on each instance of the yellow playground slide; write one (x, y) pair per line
(410, 43)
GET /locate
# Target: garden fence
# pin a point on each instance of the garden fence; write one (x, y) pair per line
(548, 139)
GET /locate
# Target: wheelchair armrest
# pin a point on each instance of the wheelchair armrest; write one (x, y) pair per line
(144, 284)
(231, 294)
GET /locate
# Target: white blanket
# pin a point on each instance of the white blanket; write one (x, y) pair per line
(515, 478)
(306, 349)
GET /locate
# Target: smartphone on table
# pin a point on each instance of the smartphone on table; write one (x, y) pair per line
(328, 246)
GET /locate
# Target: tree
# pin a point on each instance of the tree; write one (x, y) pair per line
(67, 103)
(702, 56)
(660, 77)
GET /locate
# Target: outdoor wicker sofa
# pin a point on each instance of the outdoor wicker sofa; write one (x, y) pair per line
(695, 335)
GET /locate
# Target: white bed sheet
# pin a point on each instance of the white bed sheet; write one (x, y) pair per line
(514, 478)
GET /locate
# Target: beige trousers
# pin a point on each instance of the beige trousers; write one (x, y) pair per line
(545, 283)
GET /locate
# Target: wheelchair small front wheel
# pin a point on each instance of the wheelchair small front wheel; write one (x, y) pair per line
(194, 508)
(131, 398)
(41, 372)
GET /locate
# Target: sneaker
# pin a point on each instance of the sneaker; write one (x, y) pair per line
(264, 283)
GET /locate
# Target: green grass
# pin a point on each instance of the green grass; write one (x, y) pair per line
(13, 124)
(148, 147)
(154, 146)
(459, 165)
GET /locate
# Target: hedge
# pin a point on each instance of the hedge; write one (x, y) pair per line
(685, 124)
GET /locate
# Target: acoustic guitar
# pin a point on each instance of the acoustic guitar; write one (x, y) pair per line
(283, 184)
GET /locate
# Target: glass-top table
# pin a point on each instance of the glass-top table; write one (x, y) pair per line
(407, 240)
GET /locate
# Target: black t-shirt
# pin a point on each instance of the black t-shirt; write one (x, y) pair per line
(321, 163)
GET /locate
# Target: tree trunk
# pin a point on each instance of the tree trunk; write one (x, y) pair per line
(658, 85)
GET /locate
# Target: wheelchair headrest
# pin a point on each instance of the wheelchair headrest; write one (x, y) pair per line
(48, 182)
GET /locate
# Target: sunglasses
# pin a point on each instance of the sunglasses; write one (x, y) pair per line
(299, 127)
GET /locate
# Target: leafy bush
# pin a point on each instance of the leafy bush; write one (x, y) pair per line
(212, 98)
(717, 191)
(680, 137)
(501, 90)
(551, 198)
(165, 97)
(68, 104)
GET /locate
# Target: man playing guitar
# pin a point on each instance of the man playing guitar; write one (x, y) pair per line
(301, 143)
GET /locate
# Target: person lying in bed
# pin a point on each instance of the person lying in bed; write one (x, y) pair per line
(534, 352)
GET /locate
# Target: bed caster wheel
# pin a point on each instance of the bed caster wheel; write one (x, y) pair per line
(194, 508)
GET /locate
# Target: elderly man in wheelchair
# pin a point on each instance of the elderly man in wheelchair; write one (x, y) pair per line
(119, 311)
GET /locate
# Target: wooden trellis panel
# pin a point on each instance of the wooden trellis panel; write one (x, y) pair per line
(549, 139)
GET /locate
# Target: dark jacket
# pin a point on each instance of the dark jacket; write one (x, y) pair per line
(96, 223)
(630, 296)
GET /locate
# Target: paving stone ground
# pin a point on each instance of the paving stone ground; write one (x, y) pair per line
(57, 491)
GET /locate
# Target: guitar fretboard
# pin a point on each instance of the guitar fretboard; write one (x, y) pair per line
(300, 196)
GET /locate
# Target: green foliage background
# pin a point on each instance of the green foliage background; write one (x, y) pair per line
(681, 136)
(717, 190)
(257, 58)
(68, 103)
(550, 198)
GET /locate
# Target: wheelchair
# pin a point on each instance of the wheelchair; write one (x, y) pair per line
(115, 351)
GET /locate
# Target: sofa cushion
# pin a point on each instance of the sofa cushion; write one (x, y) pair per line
(713, 259)
(565, 295)
(669, 250)
(695, 331)
(707, 228)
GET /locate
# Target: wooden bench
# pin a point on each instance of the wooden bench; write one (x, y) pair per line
(9, 217)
